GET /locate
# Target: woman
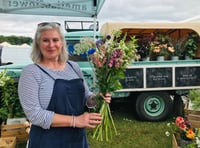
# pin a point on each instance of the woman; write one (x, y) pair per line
(53, 94)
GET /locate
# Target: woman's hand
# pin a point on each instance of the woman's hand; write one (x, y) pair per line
(106, 97)
(88, 120)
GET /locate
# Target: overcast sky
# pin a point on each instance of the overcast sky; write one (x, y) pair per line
(113, 10)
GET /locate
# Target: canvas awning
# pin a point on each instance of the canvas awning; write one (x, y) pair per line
(74, 8)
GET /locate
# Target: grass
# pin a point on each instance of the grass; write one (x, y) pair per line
(132, 133)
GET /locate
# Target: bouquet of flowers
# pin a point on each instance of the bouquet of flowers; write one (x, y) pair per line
(109, 60)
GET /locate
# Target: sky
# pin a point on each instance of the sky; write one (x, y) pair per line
(112, 11)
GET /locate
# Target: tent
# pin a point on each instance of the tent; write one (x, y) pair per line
(76, 8)
(73, 8)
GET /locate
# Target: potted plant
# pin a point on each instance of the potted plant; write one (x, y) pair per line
(161, 45)
(194, 96)
(144, 45)
(10, 105)
(191, 45)
(178, 44)
(11, 113)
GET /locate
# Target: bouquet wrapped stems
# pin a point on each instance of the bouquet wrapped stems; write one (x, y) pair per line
(105, 129)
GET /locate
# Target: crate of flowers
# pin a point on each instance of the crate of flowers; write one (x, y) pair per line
(183, 134)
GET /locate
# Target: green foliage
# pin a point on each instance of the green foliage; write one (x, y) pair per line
(10, 105)
(194, 96)
(178, 44)
(16, 40)
(191, 44)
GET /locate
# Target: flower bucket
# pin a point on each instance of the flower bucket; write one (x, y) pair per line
(160, 58)
(188, 58)
(175, 58)
(146, 59)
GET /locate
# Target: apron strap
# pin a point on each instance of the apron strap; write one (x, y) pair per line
(74, 69)
(53, 77)
(45, 71)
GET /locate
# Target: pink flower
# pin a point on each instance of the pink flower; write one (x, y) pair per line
(179, 120)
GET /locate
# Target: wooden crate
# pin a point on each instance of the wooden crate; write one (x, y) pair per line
(16, 130)
(7, 142)
(174, 142)
(193, 117)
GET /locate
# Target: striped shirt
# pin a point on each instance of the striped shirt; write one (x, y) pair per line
(35, 89)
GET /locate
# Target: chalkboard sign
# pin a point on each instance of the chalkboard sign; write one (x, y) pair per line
(159, 77)
(187, 76)
(133, 78)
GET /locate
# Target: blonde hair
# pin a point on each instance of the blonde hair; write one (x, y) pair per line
(36, 55)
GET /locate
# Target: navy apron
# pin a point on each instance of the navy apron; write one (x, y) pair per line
(67, 99)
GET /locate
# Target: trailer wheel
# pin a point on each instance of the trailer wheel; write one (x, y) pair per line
(153, 106)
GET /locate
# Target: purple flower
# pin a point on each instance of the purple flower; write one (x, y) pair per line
(99, 43)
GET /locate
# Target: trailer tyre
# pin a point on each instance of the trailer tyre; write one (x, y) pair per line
(153, 106)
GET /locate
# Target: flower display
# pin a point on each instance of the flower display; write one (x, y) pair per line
(109, 62)
(187, 132)
(184, 128)
(81, 48)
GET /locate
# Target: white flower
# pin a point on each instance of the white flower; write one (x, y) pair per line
(167, 133)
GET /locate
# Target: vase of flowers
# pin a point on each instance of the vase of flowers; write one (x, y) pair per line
(161, 45)
(178, 44)
(109, 60)
(144, 46)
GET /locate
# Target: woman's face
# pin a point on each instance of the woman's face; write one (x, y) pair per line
(50, 44)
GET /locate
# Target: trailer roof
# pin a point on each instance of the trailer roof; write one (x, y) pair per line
(146, 28)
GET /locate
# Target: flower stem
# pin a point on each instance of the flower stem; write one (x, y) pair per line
(105, 129)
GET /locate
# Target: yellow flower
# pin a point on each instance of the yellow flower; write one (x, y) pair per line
(156, 49)
(190, 134)
(171, 49)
